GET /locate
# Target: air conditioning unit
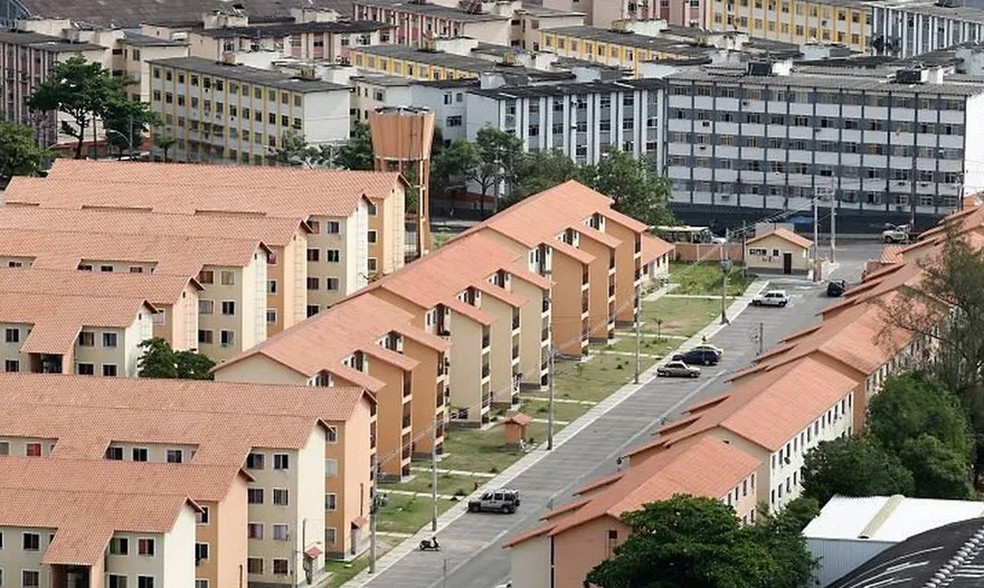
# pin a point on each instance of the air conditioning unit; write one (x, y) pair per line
(705, 123)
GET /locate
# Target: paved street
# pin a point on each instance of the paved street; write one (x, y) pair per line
(472, 543)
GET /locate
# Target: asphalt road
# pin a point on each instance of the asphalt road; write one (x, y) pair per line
(472, 555)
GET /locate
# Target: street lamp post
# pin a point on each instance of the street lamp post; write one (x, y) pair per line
(129, 140)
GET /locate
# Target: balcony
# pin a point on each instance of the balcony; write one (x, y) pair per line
(611, 261)
(546, 305)
(584, 304)
(584, 276)
(515, 351)
(407, 385)
(440, 398)
(515, 320)
(545, 334)
(406, 421)
(486, 369)
(486, 340)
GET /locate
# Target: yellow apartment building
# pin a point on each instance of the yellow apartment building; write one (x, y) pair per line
(286, 297)
(219, 492)
(369, 343)
(428, 64)
(794, 21)
(336, 204)
(623, 49)
(134, 51)
(307, 451)
(452, 292)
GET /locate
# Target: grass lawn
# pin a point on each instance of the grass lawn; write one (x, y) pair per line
(446, 483)
(705, 278)
(680, 316)
(407, 514)
(472, 450)
(596, 378)
(343, 571)
(650, 346)
(563, 411)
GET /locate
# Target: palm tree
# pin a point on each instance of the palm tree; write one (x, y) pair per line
(166, 142)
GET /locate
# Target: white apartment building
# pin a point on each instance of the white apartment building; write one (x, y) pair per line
(221, 111)
(584, 120)
(772, 137)
(907, 28)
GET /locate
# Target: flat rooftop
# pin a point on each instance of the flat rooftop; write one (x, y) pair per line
(629, 39)
(474, 65)
(46, 42)
(286, 29)
(430, 10)
(252, 75)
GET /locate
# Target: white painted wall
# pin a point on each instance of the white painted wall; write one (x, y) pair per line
(177, 554)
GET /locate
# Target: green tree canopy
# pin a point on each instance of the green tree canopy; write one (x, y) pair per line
(498, 154)
(19, 152)
(453, 162)
(853, 466)
(937, 470)
(539, 171)
(125, 122)
(638, 191)
(689, 542)
(193, 366)
(159, 360)
(356, 153)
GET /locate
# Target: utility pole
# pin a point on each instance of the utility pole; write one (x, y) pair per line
(434, 476)
(638, 345)
(373, 514)
(445, 573)
(833, 226)
(550, 387)
(725, 268)
(816, 231)
(761, 338)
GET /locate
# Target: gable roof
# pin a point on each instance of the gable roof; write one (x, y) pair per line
(784, 234)
(156, 288)
(653, 247)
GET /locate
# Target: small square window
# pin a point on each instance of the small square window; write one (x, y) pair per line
(202, 517)
(146, 546)
(109, 370)
(254, 495)
(32, 542)
(114, 453)
(254, 565)
(280, 567)
(109, 339)
(119, 546)
(139, 454)
(281, 496)
(254, 461)
(175, 456)
(281, 461)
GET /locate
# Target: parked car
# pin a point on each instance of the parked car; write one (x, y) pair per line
(677, 369)
(896, 233)
(836, 288)
(713, 348)
(771, 298)
(503, 500)
(697, 356)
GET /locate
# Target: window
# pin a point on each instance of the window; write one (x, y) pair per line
(371, 209)
(372, 264)
(332, 228)
(312, 309)
(254, 530)
(330, 536)
(254, 495)
(281, 496)
(4, 450)
(281, 533)
(332, 284)
(201, 583)
(114, 453)
(109, 339)
(331, 435)
(139, 454)
(271, 316)
(106, 268)
(175, 456)
(333, 255)
(31, 542)
(454, 121)
(313, 284)
(313, 255)
(109, 370)
(206, 277)
(315, 226)
(281, 461)
(201, 552)
(117, 581)
(331, 468)
(227, 338)
(205, 337)
(254, 565)
(228, 278)
(254, 461)
(11, 365)
(32, 578)
(145, 582)
(202, 517)
(229, 307)
(372, 236)
(271, 286)
(280, 566)
(32, 450)
(12, 336)
(331, 501)
(146, 546)
(87, 339)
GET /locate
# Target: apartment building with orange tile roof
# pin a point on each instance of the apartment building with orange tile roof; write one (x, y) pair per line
(655, 258)
(296, 441)
(285, 237)
(232, 272)
(591, 252)
(62, 538)
(364, 342)
(175, 298)
(61, 334)
(357, 217)
(467, 291)
(576, 537)
(220, 530)
(776, 417)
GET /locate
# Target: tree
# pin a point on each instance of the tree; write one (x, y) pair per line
(498, 153)
(540, 171)
(636, 189)
(938, 470)
(159, 360)
(690, 542)
(914, 404)
(19, 152)
(853, 466)
(125, 122)
(781, 534)
(356, 153)
(453, 162)
(294, 149)
(165, 142)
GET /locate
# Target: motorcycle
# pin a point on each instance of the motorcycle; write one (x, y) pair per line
(430, 545)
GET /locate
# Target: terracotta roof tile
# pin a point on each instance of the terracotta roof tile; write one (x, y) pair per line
(653, 247)
(514, 300)
(321, 342)
(156, 288)
(784, 234)
(596, 235)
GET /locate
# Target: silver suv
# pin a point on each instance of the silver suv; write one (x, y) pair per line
(501, 500)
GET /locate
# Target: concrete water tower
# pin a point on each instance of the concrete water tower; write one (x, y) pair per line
(401, 141)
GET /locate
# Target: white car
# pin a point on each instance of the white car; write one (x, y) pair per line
(771, 298)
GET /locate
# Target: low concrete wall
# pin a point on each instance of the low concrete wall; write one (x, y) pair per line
(691, 252)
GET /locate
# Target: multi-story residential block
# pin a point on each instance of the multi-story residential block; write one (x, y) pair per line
(373, 91)
(306, 449)
(656, 255)
(794, 21)
(222, 111)
(356, 217)
(132, 55)
(219, 534)
(625, 49)
(232, 272)
(584, 120)
(55, 333)
(26, 58)
(286, 238)
(908, 28)
(468, 291)
(416, 23)
(889, 140)
(370, 343)
(591, 252)
(175, 298)
(604, 13)
(578, 536)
